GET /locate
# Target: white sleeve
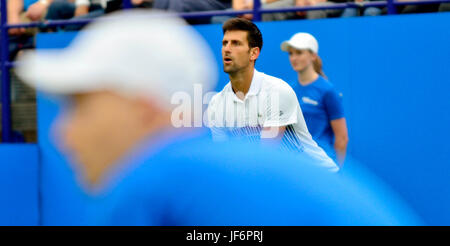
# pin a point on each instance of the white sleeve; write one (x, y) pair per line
(282, 107)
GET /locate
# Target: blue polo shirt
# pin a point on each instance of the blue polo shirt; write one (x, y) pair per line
(320, 103)
(189, 180)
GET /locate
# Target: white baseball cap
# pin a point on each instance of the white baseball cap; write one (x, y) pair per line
(301, 41)
(133, 52)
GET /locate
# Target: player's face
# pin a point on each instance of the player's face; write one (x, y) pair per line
(301, 60)
(235, 51)
(97, 130)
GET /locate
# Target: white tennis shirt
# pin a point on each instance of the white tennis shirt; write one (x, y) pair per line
(270, 102)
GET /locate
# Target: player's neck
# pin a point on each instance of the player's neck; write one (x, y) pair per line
(241, 81)
(307, 76)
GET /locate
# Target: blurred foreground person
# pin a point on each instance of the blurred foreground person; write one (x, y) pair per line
(140, 170)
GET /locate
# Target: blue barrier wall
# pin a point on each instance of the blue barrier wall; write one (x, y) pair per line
(393, 72)
(19, 184)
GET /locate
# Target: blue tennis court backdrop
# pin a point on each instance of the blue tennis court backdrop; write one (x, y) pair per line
(393, 72)
(19, 184)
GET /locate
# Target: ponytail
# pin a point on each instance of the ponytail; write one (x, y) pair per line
(317, 64)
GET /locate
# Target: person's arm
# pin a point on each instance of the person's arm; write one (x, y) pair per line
(246, 4)
(137, 2)
(82, 7)
(81, 10)
(335, 110)
(281, 111)
(240, 4)
(272, 135)
(339, 127)
(243, 5)
(301, 3)
(37, 10)
(14, 8)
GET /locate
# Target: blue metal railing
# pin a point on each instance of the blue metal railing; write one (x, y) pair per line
(6, 102)
(257, 12)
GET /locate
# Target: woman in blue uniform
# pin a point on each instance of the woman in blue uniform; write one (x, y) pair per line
(319, 100)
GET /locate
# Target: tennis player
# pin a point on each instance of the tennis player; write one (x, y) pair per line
(140, 170)
(254, 105)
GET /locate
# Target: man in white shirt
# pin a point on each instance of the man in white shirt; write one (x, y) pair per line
(256, 106)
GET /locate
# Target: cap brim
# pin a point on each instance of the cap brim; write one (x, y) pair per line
(286, 45)
(53, 71)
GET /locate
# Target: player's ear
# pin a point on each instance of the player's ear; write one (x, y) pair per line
(254, 53)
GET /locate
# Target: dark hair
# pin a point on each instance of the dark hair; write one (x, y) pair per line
(254, 36)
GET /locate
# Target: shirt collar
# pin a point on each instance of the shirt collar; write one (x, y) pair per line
(255, 86)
